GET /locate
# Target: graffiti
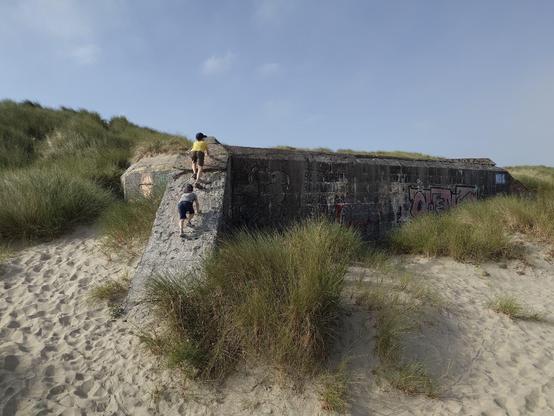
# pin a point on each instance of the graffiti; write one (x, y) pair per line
(438, 199)
(146, 184)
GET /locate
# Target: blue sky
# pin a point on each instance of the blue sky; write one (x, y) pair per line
(451, 78)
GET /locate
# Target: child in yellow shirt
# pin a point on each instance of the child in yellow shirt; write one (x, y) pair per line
(199, 148)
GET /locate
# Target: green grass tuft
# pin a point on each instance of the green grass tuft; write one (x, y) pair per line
(399, 306)
(127, 225)
(111, 291)
(62, 167)
(412, 378)
(45, 202)
(334, 390)
(268, 296)
(510, 306)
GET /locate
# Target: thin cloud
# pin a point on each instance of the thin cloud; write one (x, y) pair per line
(85, 54)
(271, 11)
(218, 64)
(269, 69)
(70, 28)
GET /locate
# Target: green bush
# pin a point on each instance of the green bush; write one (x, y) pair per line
(45, 202)
(268, 296)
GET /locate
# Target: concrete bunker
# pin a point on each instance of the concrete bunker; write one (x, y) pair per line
(269, 188)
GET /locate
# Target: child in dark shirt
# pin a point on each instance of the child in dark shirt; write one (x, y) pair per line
(186, 209)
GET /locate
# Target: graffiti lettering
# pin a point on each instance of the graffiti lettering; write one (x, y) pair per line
(438, 199)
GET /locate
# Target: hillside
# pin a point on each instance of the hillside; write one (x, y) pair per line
(61, 167)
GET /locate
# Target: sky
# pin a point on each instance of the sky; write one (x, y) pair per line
(472, 78)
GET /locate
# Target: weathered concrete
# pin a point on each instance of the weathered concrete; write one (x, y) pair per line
(149, 172)
(258, 188)
(166, 252)
(270, 187)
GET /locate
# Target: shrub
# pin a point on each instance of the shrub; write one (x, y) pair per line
(45, 202)
(269, 296)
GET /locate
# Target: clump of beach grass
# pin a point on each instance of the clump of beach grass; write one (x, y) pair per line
(45, 202)
(5, 252)
(110, 291)
(399, 304)
(511, 307)
(334, 390)
(482, 230)
(126, 225)
(267, 296)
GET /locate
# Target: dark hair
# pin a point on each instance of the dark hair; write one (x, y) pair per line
(200, 136)
(189, 188)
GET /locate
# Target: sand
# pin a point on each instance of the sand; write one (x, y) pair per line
(60, 354)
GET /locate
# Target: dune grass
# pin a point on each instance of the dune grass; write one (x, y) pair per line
(511, 307)
(270, 297)
(126, 225)
(482, 230)
(111, 291)
(379, 153)
(62, 167)
(399, 304)
(334, 390)
(45, 202)
(5, 252)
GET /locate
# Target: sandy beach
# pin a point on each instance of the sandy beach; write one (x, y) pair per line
(62, 355)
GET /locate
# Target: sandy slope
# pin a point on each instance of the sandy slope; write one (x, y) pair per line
(61, 355)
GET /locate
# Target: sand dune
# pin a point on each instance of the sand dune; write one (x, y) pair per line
(62, 355)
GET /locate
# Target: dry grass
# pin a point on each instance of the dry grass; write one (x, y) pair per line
(482, 230)
(126, 225)
(511, 307)
(156, 146)
(399, 304)
(267, 297)
(334, 390)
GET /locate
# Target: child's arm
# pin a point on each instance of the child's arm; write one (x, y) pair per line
(197, 206)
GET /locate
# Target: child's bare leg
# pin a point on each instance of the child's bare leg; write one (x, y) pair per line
(189, 217)
(199, 172)
(194, 168)
(181, 225)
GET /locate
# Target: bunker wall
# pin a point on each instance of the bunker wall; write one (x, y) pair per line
(271, 188)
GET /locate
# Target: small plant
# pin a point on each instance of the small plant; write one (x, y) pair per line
(399, 306)
(334, 390)
(510, 306)
(112, 291)
(411, 378)
(126, 225)
(5, 252)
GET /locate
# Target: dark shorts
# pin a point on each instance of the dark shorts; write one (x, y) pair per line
(185, 207)
(198, 157)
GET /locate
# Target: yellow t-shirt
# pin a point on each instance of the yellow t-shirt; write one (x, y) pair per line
(200, 146)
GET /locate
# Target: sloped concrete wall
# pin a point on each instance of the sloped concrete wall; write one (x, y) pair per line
(166, 252)
(270, 188)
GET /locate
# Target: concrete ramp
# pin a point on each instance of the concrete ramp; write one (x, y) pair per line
(166, 252)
